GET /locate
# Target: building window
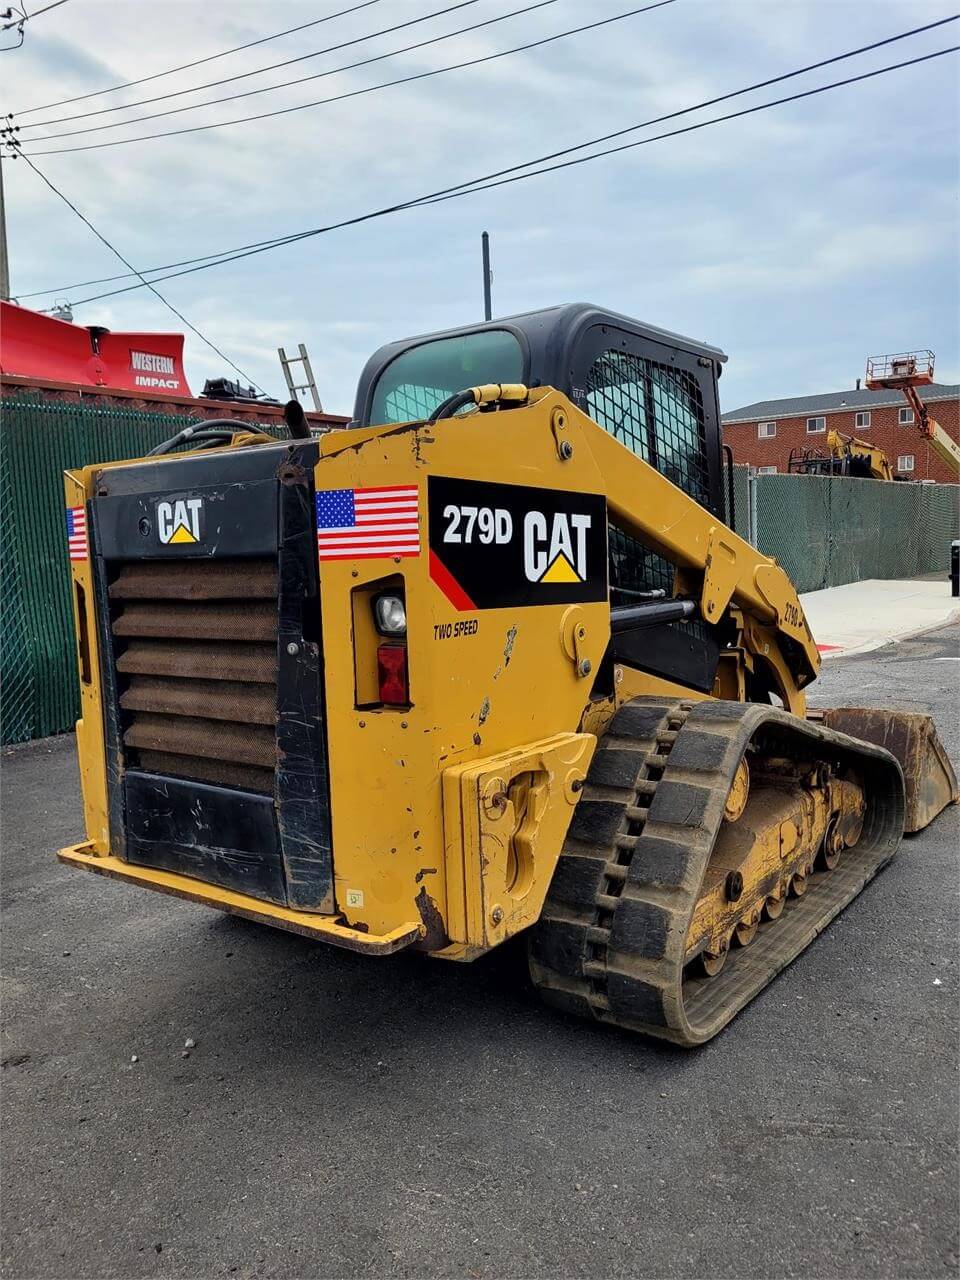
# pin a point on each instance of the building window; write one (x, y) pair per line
(816, 425)
(766, 471)
(905, 461)
(906, 417)
(766, 430)
(863, 419)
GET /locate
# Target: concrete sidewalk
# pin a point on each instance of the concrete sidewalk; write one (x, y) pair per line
(861, 616)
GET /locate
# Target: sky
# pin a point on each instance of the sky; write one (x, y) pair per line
(800, 239)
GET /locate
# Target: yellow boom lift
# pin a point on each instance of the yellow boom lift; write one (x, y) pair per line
(906, 372)
(489, 661)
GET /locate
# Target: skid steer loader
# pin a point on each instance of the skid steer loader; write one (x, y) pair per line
(489, 660)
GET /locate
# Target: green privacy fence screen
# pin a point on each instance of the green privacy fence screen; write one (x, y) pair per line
(39, 440)
(828, 530)
(824, 531)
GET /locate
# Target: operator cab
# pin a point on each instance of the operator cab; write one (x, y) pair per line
(654, 391)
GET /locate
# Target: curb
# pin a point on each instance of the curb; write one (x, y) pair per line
(869, 646)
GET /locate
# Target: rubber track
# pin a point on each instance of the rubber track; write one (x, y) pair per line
(610, 944)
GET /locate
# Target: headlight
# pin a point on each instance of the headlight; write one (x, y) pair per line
(390, 615)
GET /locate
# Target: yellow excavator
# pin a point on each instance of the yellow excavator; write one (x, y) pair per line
(488, 661)
(875, 462)
(845, 456)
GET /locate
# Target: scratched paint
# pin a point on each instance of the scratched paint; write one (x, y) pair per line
(507, 651)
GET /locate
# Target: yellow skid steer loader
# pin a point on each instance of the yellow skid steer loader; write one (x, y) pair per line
(489, 660)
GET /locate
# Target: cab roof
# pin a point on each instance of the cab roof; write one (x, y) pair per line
(548, 338)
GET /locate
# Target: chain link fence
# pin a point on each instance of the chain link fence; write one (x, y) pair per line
(39, 440)
(824, 531)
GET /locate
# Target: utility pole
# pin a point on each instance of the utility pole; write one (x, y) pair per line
(4, 265)
(487, 276)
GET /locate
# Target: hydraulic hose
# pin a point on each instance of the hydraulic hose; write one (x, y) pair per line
(489, 393)
(209, 429)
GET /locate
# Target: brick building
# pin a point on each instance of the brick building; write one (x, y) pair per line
(763, 434)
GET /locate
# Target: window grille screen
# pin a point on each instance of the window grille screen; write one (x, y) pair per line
(657, 412)
(411, 402)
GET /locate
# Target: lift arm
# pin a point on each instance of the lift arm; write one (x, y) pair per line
(647, 505)
(714, 564)
(943, 445)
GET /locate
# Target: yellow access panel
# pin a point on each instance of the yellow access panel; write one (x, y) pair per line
(506, 817)
(494, 659)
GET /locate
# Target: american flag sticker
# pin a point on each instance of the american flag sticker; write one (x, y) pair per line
(77, 533)
(365, 524)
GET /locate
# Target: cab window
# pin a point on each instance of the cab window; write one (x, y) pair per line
(418, 380)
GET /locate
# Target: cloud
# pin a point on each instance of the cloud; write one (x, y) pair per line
(57, 61)
(798, 239)
(823, 251)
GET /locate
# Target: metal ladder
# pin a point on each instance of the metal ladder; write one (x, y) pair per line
(308, 385)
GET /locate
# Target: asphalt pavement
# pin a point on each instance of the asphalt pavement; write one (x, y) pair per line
(342, 1116)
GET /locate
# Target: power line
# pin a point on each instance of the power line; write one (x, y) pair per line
(278, 241)
(690, 128)
(245, 75)
(36, 14)
(471, 188)
(18, 23)
(186, 66)
(711, 102)
(422, 44)
(114, 250)
(357, 93)
(125, 275)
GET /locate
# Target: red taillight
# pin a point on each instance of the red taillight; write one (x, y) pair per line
(392, 675)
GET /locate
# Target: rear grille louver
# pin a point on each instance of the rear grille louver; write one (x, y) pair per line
(196, 646)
